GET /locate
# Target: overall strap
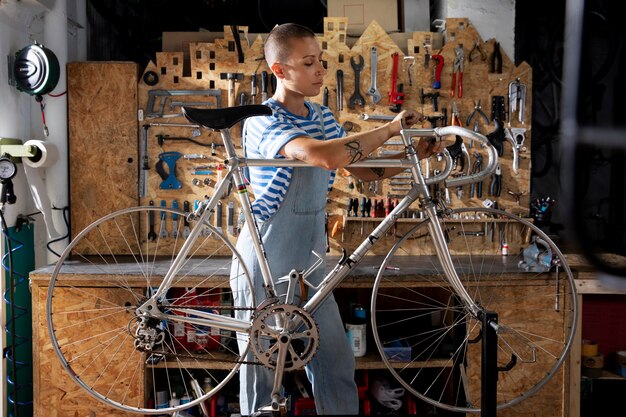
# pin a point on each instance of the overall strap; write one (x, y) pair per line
(320, 114)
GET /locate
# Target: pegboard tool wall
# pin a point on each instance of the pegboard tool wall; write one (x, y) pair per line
(209, 60)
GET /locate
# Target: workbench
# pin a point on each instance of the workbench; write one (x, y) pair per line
(55, 394)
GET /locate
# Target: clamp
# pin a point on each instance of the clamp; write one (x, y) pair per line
(477, 109)
(457, 68)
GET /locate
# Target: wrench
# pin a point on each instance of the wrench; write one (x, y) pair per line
(186, 228)
(365, 116)
(175, 222)
(151, 234)
(357, 98)
(339, 90)
(163, 232)
(373, 91)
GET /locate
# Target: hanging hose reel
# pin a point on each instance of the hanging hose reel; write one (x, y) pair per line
(36, 70)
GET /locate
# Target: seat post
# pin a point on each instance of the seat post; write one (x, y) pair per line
(228, 143)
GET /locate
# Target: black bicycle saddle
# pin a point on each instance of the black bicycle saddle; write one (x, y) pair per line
(224, 118)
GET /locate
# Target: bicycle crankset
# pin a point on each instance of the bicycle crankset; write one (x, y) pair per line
(284, 330)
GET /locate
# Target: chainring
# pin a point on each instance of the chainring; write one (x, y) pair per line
(287, 325)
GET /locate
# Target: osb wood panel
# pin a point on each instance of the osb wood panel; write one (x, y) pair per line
(209, 60)
(102, 114)
(55, 393)
(549, 401)
(478, 84)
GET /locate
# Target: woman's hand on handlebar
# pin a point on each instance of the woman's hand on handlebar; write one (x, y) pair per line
(427, 147)
(405, 119)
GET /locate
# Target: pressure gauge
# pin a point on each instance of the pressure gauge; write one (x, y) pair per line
(8, 169)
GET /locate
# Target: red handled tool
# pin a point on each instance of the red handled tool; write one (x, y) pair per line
(396, 96)
(438, 68)
(457, 70)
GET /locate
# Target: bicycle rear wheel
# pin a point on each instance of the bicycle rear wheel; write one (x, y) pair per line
(113, 266)
(419, 317)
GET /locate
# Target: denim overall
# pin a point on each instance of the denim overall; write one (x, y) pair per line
(289, 236)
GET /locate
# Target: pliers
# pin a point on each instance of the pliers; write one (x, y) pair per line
(457, 68)
(496, 183)
(496, 59)
(477, 109)
(478, 47)
(455, 120)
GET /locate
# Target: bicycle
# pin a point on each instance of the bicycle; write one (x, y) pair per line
(148, 294)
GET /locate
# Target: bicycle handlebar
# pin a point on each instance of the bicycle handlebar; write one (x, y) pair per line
(366, 163)
(440, 132)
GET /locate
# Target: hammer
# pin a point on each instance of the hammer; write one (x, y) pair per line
(232, 77)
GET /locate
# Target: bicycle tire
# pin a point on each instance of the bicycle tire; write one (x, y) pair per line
(438, 331)
(93, 325)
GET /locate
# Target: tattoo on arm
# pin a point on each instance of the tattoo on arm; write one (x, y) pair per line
(355, 151)
(298, 154)
(380, 172)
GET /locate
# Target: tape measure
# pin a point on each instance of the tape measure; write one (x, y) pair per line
(589, 348)
(592, 366)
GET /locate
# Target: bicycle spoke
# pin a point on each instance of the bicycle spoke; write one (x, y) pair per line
(435, 323)
(119, 355)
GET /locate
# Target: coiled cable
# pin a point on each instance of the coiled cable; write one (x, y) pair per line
(19, 394)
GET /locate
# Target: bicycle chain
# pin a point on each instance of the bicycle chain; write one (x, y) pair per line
(202, 358)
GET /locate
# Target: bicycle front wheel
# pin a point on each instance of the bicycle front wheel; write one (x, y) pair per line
(431, 341)
(122, 358)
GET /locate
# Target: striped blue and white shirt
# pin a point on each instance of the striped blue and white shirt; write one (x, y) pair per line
(265, 137)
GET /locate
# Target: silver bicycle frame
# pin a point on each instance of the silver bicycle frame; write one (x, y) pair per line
(419, 190)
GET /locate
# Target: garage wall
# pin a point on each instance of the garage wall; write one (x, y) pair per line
(59, 26)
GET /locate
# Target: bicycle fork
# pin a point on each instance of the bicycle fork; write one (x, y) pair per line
(443, 254)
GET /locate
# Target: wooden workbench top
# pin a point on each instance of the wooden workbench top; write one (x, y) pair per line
(362, 274)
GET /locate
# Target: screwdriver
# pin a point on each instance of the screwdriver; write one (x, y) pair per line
(351, 207)
(362, 207)
(230, 218)
(218, 216)
(388, 206)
